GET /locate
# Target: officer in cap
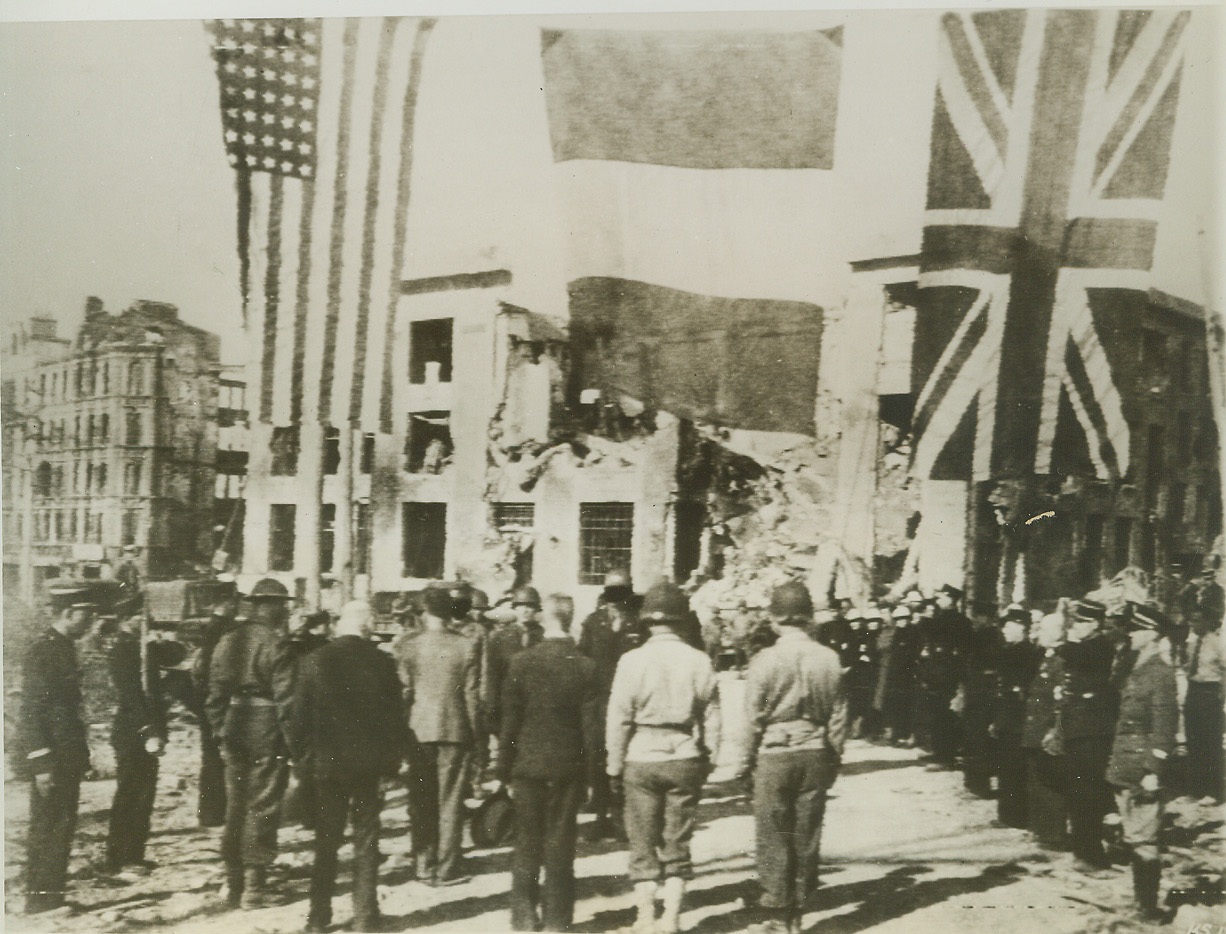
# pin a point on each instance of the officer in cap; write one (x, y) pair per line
(662, 734)
(506, 639)
(944, 637)
(1145, 737)
(608, 634)
(1017, 665)
(798, 720)
(250, 677)
(1087, 723)
(53, 735)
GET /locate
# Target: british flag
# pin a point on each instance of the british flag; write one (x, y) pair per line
(1050, 148)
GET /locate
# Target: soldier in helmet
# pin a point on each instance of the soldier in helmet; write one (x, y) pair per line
(662, 734)
(467, 605)
(53, 736)
(507, 639)
(608, 634)
(249, 679)
(797, 712)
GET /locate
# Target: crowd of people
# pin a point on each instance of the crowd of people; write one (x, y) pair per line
(1068, 719)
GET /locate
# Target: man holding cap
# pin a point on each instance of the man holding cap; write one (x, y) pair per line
(53, 735)
(1144, 741)
(250, 677)
(663, 732)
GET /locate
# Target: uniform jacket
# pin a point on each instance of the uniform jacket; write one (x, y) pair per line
(140, 711)
(1088, 699)
(795, 698)
(1149, 717)
(505, 641)
(214, 629)
(1042, 700)
(345, 720)
(551, 725)
(944, 640)
(1017, 665)
(663, 706)
(438, 672)
(52, 730)
(605, 647)
(251, 681)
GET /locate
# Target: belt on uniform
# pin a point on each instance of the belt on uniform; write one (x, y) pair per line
(666, 727)
(250, 700)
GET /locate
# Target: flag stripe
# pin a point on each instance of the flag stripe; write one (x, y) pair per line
(302, 299)
(339, 206)
(704, 100)
(403, 190)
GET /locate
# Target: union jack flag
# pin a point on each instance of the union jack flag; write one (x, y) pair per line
(1050, 147)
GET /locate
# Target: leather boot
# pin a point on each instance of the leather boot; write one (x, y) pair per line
(1147, 879)
(255, 889)
(645, 906)
(674, 893)
(232, 892)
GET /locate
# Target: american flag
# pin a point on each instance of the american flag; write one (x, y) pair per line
(1050, 147)
(318, 123)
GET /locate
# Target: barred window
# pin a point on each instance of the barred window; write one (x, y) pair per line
(284, 446)
(514, 517)
(606, 533)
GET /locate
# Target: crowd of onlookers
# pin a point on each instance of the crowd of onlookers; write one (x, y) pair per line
(1069, 719)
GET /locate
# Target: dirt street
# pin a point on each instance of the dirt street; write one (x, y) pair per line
(906, 849)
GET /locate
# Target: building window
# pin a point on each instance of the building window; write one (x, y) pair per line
(1175, 503)
(106, 379)
(132, 431)
(57, 479)
(1155, 463)
(368, 454)
(1123, 543)
(128, 531)
(76, 431)
(100, 477)
(518, 519)
(327, 535)
(428, 445)
(42, 480)
(93, 530)
(281, 520)
(284, 445)
(72, 525)
(606, 534)
(425, 539)
(59, 525)
(131, 479)
(136, 378)
(332, 450)
(361, 538)
(104, 428)
(430, 351)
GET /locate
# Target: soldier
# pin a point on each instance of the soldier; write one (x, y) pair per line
(979, 698)
(466, 620)
(57, 752)
(128, 573)
(1042, 744)
(211, 806)
(662, 732)
(896, 681)
(346, 730)
(608, 634)
(943, 638)
(798, 717)
(860, 663)
(1017, 664)
(550, 726)
(442, 707)
(1087, 722)
(139, 739)
(1144, 740)
(249, 679)
(507, 639)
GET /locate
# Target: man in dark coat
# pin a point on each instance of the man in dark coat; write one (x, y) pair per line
(211, 805)
(1017, 665)
(551, 727)
(896, 680)
(979, 685)
(1046, 807)
(608, 634)
(1087, 721)
(138, 737)
(1203, 712)
(1144, 741)
(442, 707)
(53, 736)
(505, 640)
(346, 729)
(944, 638)
(797, 711)
(250, 684)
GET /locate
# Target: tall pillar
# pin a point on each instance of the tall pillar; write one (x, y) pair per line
(311, 476)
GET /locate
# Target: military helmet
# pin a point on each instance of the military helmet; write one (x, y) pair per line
(665, 602)
(480, 599)
(526, 596)
(791, 601)
(617, 588)
(461, 600)
(269, 588)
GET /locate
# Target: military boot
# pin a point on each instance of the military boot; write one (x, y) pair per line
(255, 889)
